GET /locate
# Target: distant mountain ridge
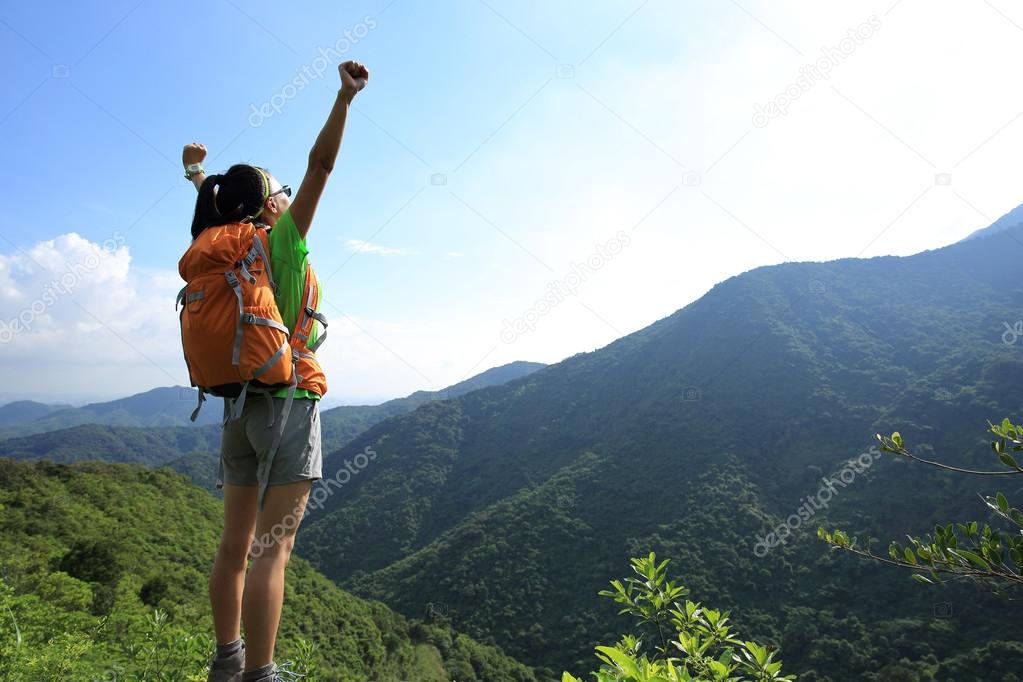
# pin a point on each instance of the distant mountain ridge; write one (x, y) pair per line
(188, 449)
(21, 411)
(340, 424)
(1013, 218)
(161, 406)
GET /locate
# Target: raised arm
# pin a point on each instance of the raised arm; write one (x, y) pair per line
(324, 152)
(194, 153)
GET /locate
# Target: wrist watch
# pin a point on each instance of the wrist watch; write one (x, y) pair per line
(193, 169)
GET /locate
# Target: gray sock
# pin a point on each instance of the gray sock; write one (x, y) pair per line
(258, 674)
(229, 649)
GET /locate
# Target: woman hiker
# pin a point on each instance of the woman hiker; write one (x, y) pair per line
(250, 194)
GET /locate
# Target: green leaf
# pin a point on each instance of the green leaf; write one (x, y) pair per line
(1003, 504)
(1017, 517)
(622, 660)
(974, 559)
(1008, 460)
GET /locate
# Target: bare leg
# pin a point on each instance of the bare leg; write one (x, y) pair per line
(283, 508)
(227, 579)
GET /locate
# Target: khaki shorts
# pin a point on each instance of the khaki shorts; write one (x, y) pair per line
(247, 440)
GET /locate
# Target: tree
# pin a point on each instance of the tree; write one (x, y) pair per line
(691, 643)
(960, 550)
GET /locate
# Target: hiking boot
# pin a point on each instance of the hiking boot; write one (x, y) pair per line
(228, 668)
(272, 673)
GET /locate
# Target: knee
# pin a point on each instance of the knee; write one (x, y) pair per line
(273, 547)
(234, 551)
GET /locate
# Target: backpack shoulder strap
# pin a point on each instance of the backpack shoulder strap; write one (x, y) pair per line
(260, 249)
(304, 325)
(261, 245)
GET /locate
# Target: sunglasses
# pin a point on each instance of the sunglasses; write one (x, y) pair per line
(286, 189)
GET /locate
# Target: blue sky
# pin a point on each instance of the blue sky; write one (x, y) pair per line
(499, 148)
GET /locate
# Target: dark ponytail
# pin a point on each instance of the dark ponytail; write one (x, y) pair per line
(237, 196)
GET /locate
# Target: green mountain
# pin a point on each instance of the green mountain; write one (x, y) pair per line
(152, 446)
(341, 424)
(26, 410)
(89, 551)
(163, 406)
(189, 449)
(696, 437)
(1013, 218)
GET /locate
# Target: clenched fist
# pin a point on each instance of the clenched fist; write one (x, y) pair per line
(353, 76)
(193, 153)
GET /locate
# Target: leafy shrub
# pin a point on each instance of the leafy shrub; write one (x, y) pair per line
(691, 643)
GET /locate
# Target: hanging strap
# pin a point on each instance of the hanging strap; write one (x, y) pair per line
(188, 365)
(198, 405)
(180, 298)
(269, 409)
(278, 434)
(237, 405)
(220, 463)
(232, 280)
(220, 473)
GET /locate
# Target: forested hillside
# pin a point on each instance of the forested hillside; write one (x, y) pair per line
(89, 553)
(696, 437)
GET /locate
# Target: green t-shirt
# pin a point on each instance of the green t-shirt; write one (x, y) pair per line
(288, 262)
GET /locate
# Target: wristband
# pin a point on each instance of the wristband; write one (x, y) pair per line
(192, 170)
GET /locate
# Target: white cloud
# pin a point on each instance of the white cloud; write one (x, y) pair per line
(75, 315)
(362, 246)
(78, 319)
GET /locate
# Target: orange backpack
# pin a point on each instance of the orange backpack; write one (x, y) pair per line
(232, 334)
(231, 329)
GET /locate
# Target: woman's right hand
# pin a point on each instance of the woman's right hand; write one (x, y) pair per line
(193, 153)
(353, 76)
